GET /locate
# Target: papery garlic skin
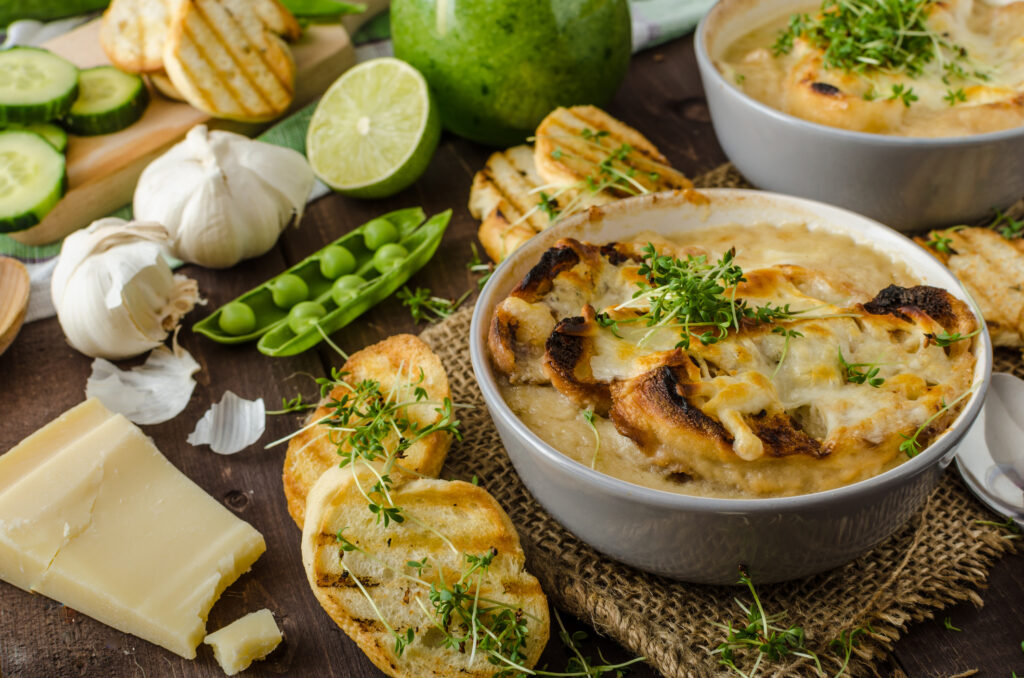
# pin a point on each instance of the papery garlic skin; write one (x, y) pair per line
(223, 197)
(114, 292)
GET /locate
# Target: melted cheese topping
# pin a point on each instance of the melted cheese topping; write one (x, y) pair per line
(798, 83)
(754, 374)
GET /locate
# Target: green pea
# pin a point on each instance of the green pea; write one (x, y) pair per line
(304, 315)
(389, 256)
(336, 261)
(378, 233)
(237, 318)
(346, 288)
(288, 290)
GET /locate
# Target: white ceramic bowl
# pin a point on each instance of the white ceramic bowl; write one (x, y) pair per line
(702, 539)
(908, 183)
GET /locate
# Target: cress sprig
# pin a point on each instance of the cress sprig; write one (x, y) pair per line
(888, 36)
(697, 296)
(469, 622)
(860, 373)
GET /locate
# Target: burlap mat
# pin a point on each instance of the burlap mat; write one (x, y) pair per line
(941, 557)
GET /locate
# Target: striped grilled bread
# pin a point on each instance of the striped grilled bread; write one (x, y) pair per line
(583, 158)
(446, 522)
(584, 146)
(227, 57)
(132, 33)
(991, 267)
(399, 364)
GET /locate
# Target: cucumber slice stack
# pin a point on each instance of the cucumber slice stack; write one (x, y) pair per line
(35, 85)
(32, 179)
(109, 100)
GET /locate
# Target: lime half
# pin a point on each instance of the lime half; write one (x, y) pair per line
(375, 130)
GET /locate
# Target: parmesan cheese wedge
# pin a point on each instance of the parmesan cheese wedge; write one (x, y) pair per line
(95, 517)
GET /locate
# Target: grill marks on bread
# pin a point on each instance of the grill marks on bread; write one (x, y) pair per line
(991, 267)
(466, 515)
(227, 57)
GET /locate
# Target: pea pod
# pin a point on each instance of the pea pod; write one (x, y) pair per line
(282, 340)
(260, 299)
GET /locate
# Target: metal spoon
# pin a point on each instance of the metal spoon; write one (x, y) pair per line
(991, 456)
(14, 287)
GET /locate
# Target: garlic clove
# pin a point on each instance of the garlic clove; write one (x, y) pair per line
(114, 293)
(223, 197)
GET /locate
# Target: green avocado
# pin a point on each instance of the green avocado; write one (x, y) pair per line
(497, 67)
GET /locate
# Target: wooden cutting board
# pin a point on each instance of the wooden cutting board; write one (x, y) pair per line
(103, 170)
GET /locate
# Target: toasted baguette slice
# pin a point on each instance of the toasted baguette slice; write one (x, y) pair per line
(163, 84)
(572, 143)
(132, 33)
(226, 57)
(467, 516)
(506, 197)
(394, 363)
(991, 267)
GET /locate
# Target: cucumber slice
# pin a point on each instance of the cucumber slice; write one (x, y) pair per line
(32, 179)
(56, 136)
(109, 100)
(35, 85)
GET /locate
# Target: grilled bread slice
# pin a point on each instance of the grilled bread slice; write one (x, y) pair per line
(163, 84)
(472, 524)
(992, 269)
(227, 57)
(584, 146)
(514, 203)
(132, 33)
(398, 364)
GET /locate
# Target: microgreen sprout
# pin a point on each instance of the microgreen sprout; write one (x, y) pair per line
(477, 267)
(844, 644)
(1007, 226)
(1013, 529)
(296, 404)
(860, 373)
(423, 305)
(944, 339)
(904, 94)
(548, 206)
(910, 445)
(761, 636)
(940, 243)
(696, 296)
(579, 665)
(588, 414)
(953, 96)
(887, 36)
(788, 334)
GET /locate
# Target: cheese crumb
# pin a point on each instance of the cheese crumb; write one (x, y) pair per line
(244, 640)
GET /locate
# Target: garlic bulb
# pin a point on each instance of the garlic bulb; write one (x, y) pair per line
(114, 293)
(223, 197)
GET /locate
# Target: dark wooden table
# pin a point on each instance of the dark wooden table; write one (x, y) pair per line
(40, 377)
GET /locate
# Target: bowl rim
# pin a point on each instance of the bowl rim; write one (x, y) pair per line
(939, 451)
(706, 66)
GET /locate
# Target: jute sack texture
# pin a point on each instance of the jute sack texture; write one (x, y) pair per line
(941, 557)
